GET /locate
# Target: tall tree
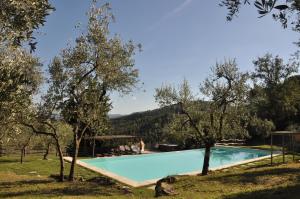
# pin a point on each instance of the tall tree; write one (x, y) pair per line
(44, 118)
(97, 65)
(41, 124)
(267, 95)
(22, 139)
(19, 80)
(226, 92)
(19, 70)
(271, 71)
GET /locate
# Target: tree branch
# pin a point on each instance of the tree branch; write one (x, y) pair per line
(37, 131)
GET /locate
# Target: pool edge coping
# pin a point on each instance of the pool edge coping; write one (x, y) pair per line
(133, 183)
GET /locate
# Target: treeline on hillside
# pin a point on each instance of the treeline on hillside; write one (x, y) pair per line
(149, 124)
(278, 103)
(276, 106)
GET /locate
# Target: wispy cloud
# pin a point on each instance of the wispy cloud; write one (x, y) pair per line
(179, 8)
(171, 14)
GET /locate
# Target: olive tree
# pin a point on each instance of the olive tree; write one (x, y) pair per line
(45, 118)
(18, 20)
(20, 78)
(46, 126)
(222, 115)
(95, 66)
(57, 133)
(19, 70)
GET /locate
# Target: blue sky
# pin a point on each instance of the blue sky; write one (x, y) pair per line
(180, 39)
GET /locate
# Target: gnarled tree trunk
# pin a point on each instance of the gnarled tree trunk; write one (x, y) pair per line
(47, 152)
(78, 135)
(23, 150)
(61, 159)
(74, 158)
(206, 159)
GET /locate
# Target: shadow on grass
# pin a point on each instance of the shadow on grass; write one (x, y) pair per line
(10, 161)
(263, 165)
(28, 182)
(290, 192)
(49, 188)
(253, 176)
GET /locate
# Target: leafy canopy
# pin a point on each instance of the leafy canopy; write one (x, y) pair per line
(207, 122)
(18, 20)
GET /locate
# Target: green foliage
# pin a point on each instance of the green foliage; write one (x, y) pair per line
(150, 125)
(260, 128)
(275, 96)
(226, 91)
(19, 80)
(272, 71)
(18, 20)
(19, 71)
(287, 12)
(84, 74)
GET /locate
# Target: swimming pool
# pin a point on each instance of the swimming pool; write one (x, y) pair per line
(138, 170)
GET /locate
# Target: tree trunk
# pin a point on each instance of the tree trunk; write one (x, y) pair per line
(47, 152)
(1, 150)
(22, 155)
(94, 145)
(24, 151)
(206, 159)
(74, 159)
(61, 160)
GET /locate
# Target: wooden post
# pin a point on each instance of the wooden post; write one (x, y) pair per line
(271, 148)
(283, 158)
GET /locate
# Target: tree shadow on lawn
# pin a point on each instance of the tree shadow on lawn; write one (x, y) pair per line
(290, 192)
(53, 189)
(253, 176)
(24, 182)
(11, 161)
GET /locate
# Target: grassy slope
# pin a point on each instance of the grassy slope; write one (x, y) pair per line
(254, 180)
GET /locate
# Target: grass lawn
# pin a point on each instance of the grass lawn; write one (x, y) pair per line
(253, 180)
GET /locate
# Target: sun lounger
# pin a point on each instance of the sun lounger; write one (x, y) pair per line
(135, 149)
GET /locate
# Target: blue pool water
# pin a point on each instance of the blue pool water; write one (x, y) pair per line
(140, 168)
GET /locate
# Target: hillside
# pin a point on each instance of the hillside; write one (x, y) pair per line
(148, 124)
(144, 123)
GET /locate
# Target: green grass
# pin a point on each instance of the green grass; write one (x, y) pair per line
(252, 180)
(265, 147)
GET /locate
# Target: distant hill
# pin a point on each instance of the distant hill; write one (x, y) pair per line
(148, 124)
(113, 116)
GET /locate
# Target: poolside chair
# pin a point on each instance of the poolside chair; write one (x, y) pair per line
(135, 149)
(127, 150)
(122, 149)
